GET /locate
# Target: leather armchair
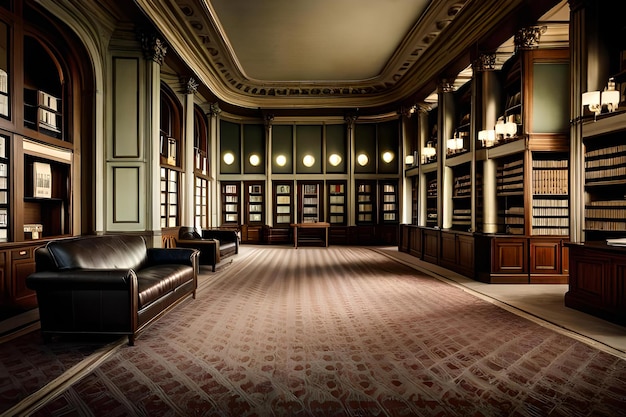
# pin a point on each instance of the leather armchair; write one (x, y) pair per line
(189, 237)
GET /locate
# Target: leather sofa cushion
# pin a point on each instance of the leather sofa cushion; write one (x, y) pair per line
(156, 281)
(99, 252)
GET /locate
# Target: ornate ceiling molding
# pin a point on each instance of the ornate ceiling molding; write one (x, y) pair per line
(445, 31)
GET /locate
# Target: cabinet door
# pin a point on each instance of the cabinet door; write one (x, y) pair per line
(254, 202)
(310, 202)
(283, 203)
(510, 256)
(337, 203)
(22, 265)
(230, 203)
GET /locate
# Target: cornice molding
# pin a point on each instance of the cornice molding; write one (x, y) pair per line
(453, 26)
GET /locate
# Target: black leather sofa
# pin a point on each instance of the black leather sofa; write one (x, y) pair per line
(110, 284)
(213, 244)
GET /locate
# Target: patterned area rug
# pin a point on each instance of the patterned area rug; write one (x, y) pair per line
(344, 332)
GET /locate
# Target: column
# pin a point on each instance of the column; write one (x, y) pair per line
(269, 200)
(154, 51)
(350, 121)
(214, 158)
(490, 92)
(189, 186)
(446, 131)
(422, 139)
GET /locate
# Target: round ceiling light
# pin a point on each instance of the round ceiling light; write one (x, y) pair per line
(334, 159)
(281, 160)
(255, 160)
(388, 156)
(362, 159)
(229, 158)
(308, 161)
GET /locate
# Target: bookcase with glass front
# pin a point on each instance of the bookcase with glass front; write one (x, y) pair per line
(462, 198)
(283, 204)
(336, 203)
(254, 203)
(389, 212)
(310, 207)
(231, 203)
(365, 202)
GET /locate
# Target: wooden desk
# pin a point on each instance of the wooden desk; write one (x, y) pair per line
(317, 225)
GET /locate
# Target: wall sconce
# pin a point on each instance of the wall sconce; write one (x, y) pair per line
(334, 159)
(487, 138)
(362, 159)
(409, 160)
(454, 145)
(505, 130)
(308, 161)
(596, 100)
(281, 160)
(254, 160)
(429, 153)
(388, 156)
(229, 158)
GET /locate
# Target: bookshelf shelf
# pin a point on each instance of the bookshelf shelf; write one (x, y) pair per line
(336, 202)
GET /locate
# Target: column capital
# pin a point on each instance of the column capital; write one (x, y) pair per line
(350, 119)
(191, 85)
(446, 86)
(154, 48)
(528, 37)
(214, 109)
(485, 62)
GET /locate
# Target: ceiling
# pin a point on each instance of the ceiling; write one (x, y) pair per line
(342, 54)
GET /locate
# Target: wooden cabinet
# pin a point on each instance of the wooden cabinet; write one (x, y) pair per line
(597, 283)
(457, 252)
(254, 211)
(462, 198)
(17, 261)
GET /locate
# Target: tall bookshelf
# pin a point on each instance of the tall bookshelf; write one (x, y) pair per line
(310, 208)
(254, 201)
(337, 203)
(389, 213)
(605, 186)
(550, 191)
(510, 194)
(432, 216)
(231, 202)
(283, 203)
(5, 219)
(462, 198)
(366, 202)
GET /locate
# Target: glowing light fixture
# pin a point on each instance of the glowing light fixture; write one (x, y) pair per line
(229, 158)
(409, 159)
(308, 161)
(281, 160)
(255, 160)
(362, 159)
(334, 159)
(597, 100)
(388, 156)
(428, 153)
(487, 138)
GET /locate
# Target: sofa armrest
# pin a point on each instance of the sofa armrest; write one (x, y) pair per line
(82, 279)
(163, 256)
(223, 236)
